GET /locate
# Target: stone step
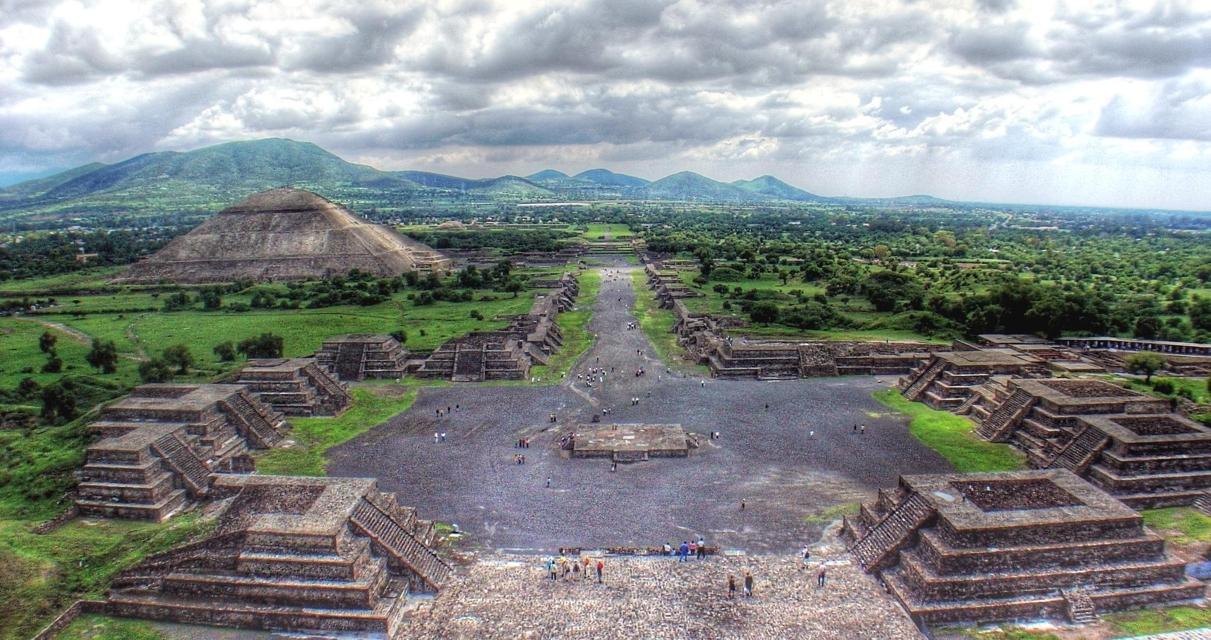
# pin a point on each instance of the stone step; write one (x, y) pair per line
(384, 618)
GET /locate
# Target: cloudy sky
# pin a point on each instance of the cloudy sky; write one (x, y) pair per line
(1081, 102)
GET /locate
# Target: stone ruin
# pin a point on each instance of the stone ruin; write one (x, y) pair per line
(1012, 546)
(284, 234)
(627, 442)
(318, 555)
(295, 387)
(1128, 443)
(509, 353)
(1058, 357)
(358, 356)
(668, 286)
(159, 446)
(949, 379)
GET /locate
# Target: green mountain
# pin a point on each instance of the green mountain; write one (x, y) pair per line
(610, 179)
(775, 188)
(205, 180)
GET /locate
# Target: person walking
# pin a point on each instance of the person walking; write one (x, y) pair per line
(600, 567)
(731, 587)
(820, 578)
(548, 482)
(701, 548)
(805, 555)
(748, 583)
(683, 551)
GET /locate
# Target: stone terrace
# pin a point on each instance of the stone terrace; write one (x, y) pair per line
(949, 378)
(1126, 442)
(159, 445)
(295, 387)
(324, 555)
(1013, 546)
(359, 356)
(496, 599)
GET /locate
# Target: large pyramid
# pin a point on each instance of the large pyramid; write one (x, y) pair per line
(284, 234)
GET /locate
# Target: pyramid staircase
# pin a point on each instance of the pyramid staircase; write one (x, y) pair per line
(1081, 451)
(877, 548)
(917, 387)
(1000, 423)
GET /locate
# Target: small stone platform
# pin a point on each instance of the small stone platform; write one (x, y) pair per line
(159, 446)
(358, 356)
(629, 442)
(295, 387)
(326, 556)
(1012, 546)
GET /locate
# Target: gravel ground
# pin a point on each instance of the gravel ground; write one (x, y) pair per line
(766, 457)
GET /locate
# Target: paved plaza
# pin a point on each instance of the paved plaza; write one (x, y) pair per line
(769, 459)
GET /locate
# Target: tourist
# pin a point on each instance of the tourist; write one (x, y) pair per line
(667, 549)
(600, 566)
(548, 482)
(806, 556)
(748, 584)
(683, 551)
(436, 437)
(731, 587)
(820, 578)
(742, 504)
(862, 429)
(811, 435)
(587, 567)
(551, 568)
(693, 548)
(701, 548)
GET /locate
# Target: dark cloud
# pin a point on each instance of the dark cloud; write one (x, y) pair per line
(377, 31)
(1178, 111)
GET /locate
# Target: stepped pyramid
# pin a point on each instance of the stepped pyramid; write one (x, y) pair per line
(284, 234)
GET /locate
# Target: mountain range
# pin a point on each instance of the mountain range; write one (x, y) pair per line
(207, 178)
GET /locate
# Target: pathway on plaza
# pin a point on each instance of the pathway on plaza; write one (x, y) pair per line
(766, 457)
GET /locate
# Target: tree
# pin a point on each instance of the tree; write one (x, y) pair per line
(103, 356)
(155, 370)
(764, 311)
(53, 364)
(178, 356)
(1200, 313)
(211, 298)
(225, 351)
(1145, 362)
(266, 345)
(1147, 327)
(46, 342)
(58, 403)
(514, 286)
(29, 388)
(177, 301)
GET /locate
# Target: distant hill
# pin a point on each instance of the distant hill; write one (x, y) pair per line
(205, 180)
(610, 179)
(775, 188)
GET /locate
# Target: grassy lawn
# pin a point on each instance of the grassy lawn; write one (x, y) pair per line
(952, 436)
(20, 356)
(372, 405)
(657, 325)
(83, 279)
(827, 515)
(574, 327)
(1150, 621)
(1188, 525)
(599, 230)
(44, 574)
(94, 627)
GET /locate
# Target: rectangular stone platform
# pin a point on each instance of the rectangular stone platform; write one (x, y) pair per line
(1012, 546)
(630, 442)
(295, 386)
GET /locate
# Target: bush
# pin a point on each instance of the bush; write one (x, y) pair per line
(266, 345)
(54, 364)
(155, 370)
(177, 302)
(726, 274)
(103, 356)
(764, 311)
(225, 351)
(57, 403)
(179, 357)
(1162, 386)
(400, 335)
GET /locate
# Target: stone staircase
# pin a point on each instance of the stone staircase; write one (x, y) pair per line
(1004, 418)
(1203, 503)
(350, 357)
(880, 544)
(194, 473)
(400, 544)
(469, 364)
(258, 424)
(1081, 451)
(1079, 606)
(918, 386)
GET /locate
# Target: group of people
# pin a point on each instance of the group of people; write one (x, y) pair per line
(573, 569)
(687, 548)
(447, 412)
(439, 437)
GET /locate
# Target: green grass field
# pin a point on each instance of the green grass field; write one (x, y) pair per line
(601, 230)
(657, 325)
(1182, 525)
(373, 404)
(40, 575)
(94, 627)
(952, 436)
(574, 327)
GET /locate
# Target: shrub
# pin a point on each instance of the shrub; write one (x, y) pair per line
(1162, 386)
(225, 351)
(155, 370)
(266, 345)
